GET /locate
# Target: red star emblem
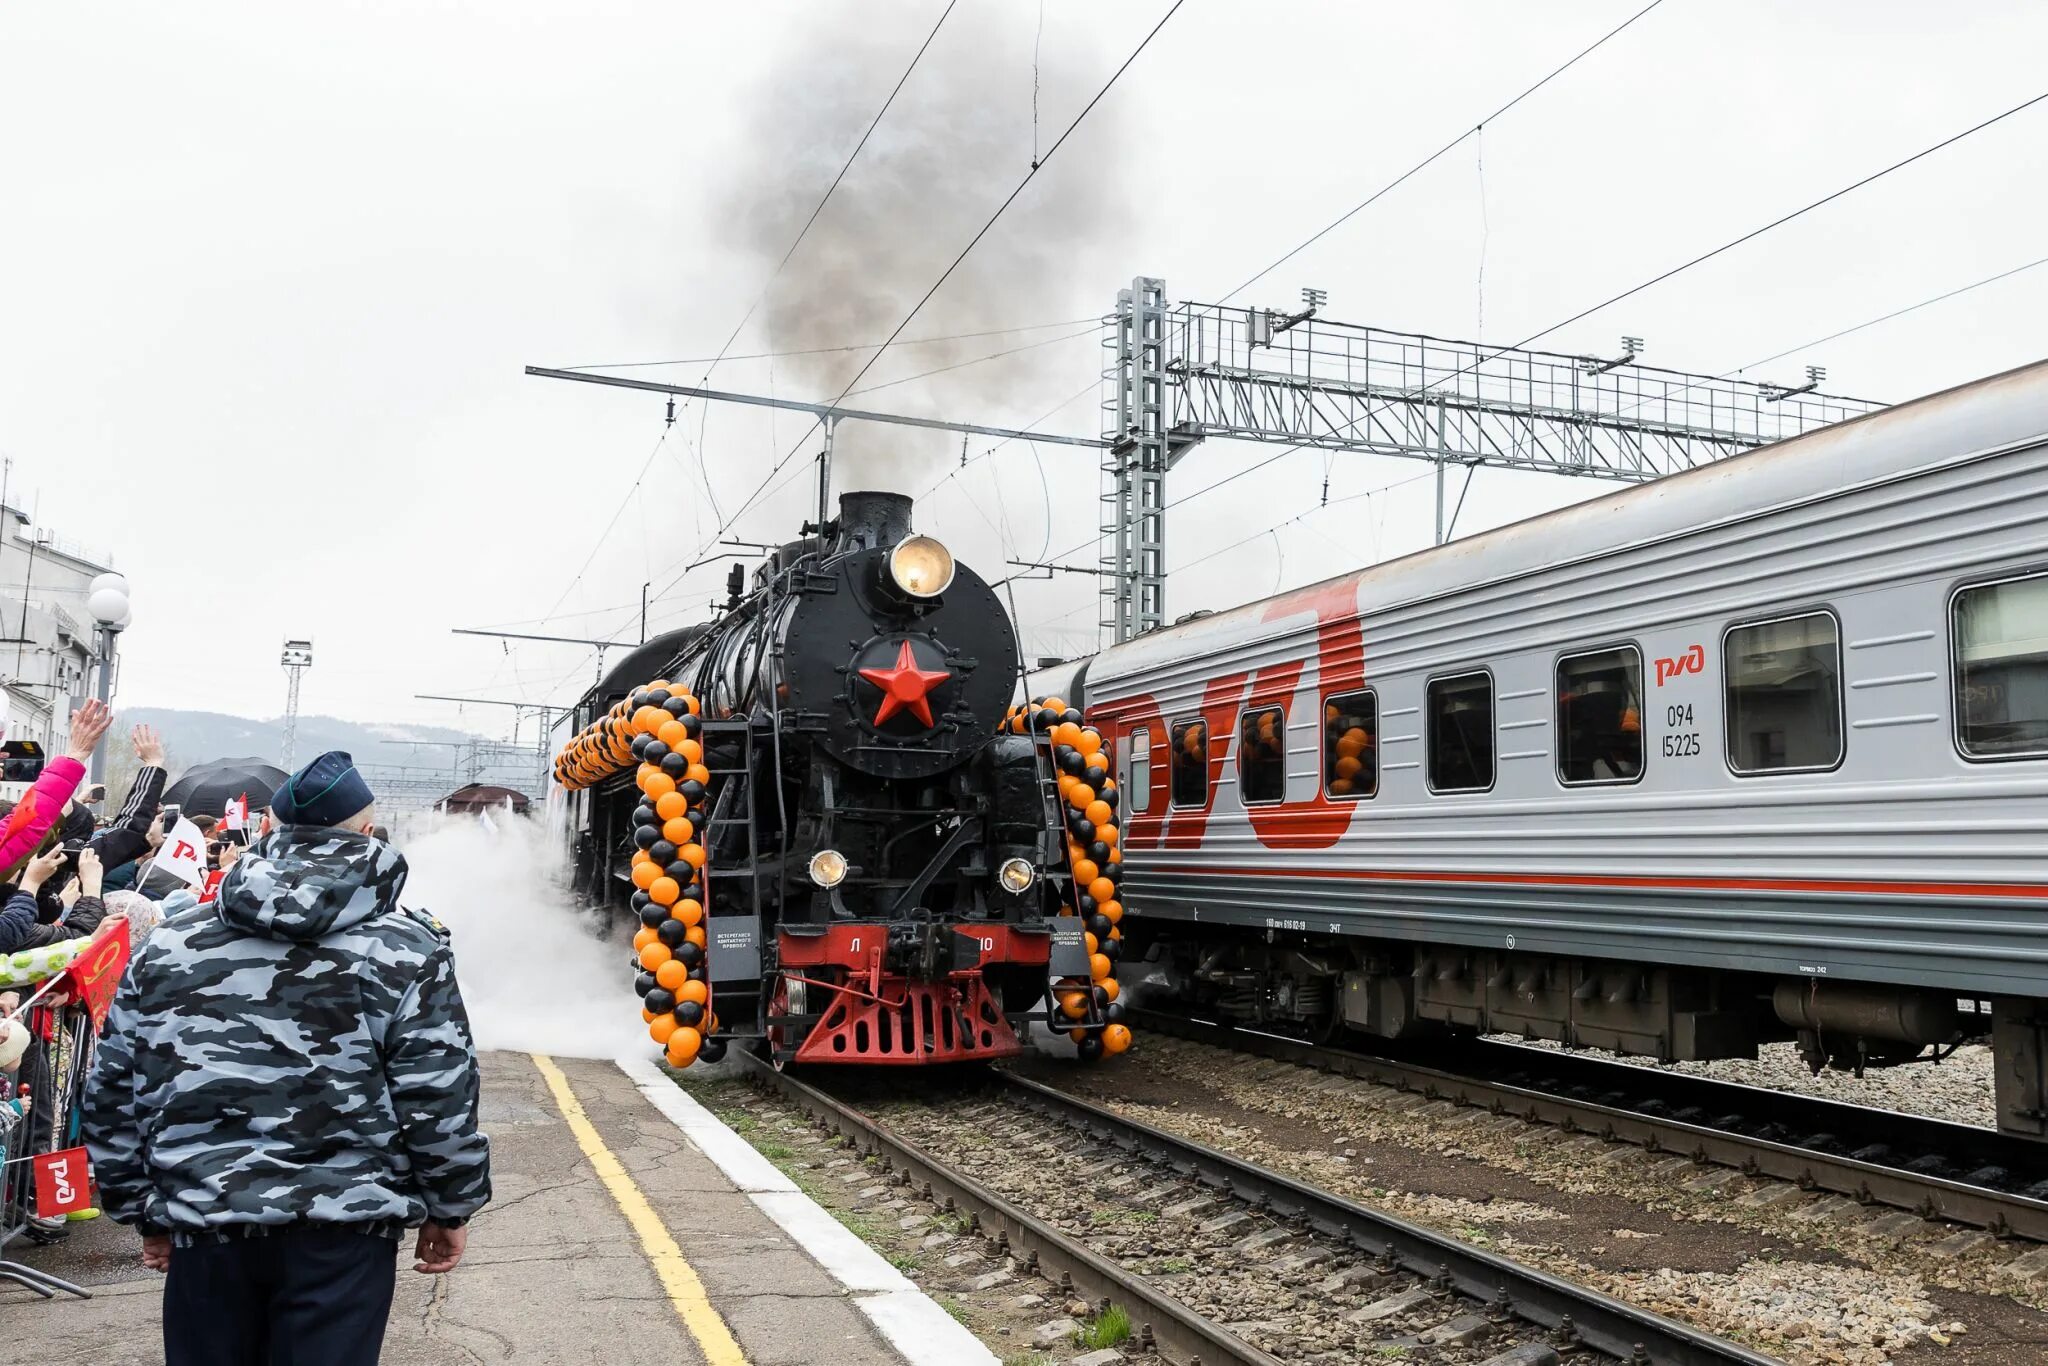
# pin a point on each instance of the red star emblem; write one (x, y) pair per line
(905, 687)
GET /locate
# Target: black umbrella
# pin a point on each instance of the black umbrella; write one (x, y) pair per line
(206, 789)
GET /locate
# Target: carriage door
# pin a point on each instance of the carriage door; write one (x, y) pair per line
(1134, 770)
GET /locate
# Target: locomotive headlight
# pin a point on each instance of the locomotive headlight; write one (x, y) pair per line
(921, 567)
(828, 867)
(1016, 875)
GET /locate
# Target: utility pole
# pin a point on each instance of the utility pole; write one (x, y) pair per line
(298, 657)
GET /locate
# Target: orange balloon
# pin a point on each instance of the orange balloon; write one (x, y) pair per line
(645, 937)
(664, 891)
(1106, 834)
(691, 750)
(643, 773)
(692, 854)
(646, 1015)
(672, 733)
(655, 954)
(694, 935)
(1067, 733)
(1099, 965)
(657, 784)
(697, 773)
(1085, 873)
(1116, 1038)
(687, 910)
(1051, 703)
(697, 992)
(644, 875)
(1079, 796)
(648, 720)
(671, 805)
(1089, 940)
(661, 1028)
(1077, 1034)
(641, 856)
(683, 1046)
(1073, 1004)
(1116, 855)
(1098, 762)
(671, 975)
(678, 831)
(1090, 741)
(1102, 889)
(1109, 987)
(1112, 909)
(1098, 813)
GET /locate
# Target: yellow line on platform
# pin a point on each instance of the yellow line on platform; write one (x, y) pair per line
(678, 1277)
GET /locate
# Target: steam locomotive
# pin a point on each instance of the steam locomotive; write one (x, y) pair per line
(840, 844)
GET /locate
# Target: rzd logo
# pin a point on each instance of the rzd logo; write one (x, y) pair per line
(1693, 661)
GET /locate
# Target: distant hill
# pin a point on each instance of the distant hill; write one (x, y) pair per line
(192, 737)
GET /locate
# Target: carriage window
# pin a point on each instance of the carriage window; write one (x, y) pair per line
(1600, 717)
(1190, 763)
(2001, 642)
(1262, 756)
(1784, 695)
(1351, 733)
(1461, 733)
(1138, 772)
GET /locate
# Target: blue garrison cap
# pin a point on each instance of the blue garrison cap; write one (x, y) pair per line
(325, 792)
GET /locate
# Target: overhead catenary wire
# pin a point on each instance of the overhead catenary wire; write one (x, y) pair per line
(1427, 161)
(830, 350)
(727, 522)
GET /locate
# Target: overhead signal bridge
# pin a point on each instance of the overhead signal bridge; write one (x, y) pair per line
(1180, 373)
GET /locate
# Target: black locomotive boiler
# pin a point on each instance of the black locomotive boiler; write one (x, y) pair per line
(871, 866)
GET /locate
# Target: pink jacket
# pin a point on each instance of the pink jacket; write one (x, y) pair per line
(35, 813)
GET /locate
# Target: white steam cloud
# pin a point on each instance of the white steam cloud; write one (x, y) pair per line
(534, 974)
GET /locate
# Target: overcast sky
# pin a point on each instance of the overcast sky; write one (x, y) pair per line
(272, 272)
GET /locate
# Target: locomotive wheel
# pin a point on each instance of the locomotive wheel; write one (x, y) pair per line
(776, 990)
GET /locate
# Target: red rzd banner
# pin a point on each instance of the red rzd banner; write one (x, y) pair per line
(61, 1185)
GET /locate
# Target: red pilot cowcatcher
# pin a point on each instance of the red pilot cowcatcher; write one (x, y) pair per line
(905, 687)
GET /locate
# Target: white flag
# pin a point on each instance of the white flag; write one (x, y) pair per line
(236, 816)
(183, 854)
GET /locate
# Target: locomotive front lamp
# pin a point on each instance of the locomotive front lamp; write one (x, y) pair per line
(1016, 875)
(921, 567)
(828, 868)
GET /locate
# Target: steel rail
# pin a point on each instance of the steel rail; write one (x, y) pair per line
(1179, 1333)
(2002, 1212)
(1505, 1287)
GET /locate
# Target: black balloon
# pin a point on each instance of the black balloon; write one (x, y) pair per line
(1098, 853)
(1108, 796)
(640, 743)
(691, 789)
(1101, 997)
(1099, 926)
(1071, 715)
(652, 915)
(646, 835)
(1089, 1048)
(1112, 949)
(643, 814)
(692, 722)
(1114, 872)
(675, 765)
(641, 901)
(675, 706)
(655, 697)
(638, 700)
(644, 983)
(689, 1012)
(661, 851)
(1071, 761)
(1113, 1013)
(1086, 903)
(672, 932)
(1047, 718)
(682, 873)
(653, 752)
(689, 953)
(712, 1051)
(660, 1000)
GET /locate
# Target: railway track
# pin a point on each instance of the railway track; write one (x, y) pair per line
(1932, 1168)
(1361, 1280)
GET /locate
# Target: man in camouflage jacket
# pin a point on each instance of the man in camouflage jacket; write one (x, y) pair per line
(285, 1083)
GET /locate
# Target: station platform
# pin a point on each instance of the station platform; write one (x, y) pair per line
(627, 1226)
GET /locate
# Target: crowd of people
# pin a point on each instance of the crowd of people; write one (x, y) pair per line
(284, 1081)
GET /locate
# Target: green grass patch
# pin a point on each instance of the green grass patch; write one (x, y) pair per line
(1110, 1328)
(1122, 1216)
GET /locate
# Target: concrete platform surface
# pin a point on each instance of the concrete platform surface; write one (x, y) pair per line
(555, 1271)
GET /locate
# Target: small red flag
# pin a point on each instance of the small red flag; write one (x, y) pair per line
(61, 1184)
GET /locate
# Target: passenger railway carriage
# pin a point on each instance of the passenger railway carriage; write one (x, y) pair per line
(1753, 752)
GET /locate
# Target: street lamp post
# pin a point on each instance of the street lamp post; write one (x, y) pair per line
(107, 600)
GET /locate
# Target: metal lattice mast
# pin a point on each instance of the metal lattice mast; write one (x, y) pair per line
(1179, 373)
(298, 657)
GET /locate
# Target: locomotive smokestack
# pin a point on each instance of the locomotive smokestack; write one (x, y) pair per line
(870, 518)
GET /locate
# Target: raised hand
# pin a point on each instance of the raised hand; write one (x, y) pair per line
(88, 724)
(148, 748)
